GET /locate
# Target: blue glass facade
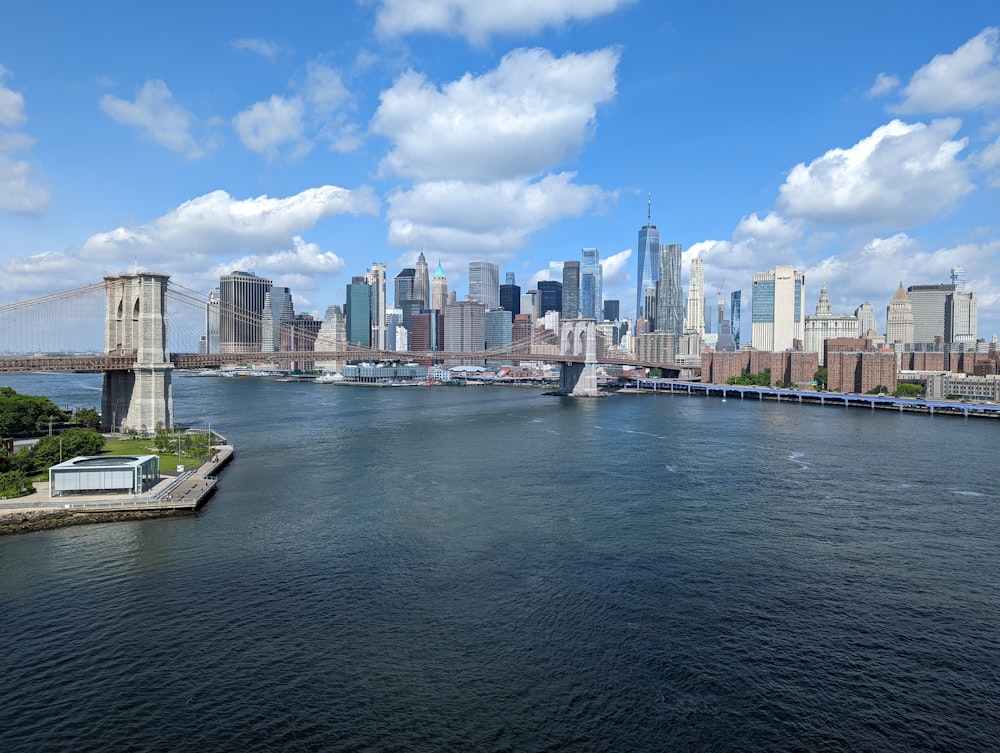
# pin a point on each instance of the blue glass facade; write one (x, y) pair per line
(647, 267)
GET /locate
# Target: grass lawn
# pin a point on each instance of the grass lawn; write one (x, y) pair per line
(168, 461)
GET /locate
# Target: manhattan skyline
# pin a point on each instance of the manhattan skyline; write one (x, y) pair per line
(307, 146)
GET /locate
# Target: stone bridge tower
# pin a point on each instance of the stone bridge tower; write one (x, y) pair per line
(578, 337)
(136, 323)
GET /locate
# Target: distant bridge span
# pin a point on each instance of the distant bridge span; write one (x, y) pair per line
(137, 362)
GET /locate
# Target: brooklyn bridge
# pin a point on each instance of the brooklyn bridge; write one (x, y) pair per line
(121, 327)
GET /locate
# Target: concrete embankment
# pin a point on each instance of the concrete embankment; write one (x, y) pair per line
(180, 494)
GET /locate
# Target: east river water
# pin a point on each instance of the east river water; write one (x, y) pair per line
(491, 569)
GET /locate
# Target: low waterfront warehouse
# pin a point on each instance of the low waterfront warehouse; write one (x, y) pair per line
(104, 473)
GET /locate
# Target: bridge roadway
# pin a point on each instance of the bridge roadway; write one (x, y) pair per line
(126, 362)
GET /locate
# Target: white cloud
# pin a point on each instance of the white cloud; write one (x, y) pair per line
(260, 47)
(208, 232)
(19, 194)
(300, 267)
(614, 268)
(989, 160)
(902, 174)
(11, 104)
(477, 20)
(156, 114)
(490, 218)
(965, 79)
(268, 125)
(884, 83)
(316, 110)
(324, 87)
(525, 117)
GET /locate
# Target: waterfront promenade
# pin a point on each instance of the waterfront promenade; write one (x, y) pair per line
(181, 492)
(812, 397)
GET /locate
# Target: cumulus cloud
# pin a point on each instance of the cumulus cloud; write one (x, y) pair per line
(476, 20)
(216, 231)
(884, 83)
(266, 126)
(300, 267)
(155, 113)
(518, 120)
(902, 174)
(614, 268)
(966, 79)
(989, 160)
(262, 47)
(11, 104)
(493, 218)
(316, 109)
(19, 193)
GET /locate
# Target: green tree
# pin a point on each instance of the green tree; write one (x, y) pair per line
(821, 377)
(880, 389)
(69, 444)
(15, 484)
(88, 417)
(20, 415)
(908, 390)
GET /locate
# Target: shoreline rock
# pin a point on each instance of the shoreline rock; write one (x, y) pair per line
(29, 522)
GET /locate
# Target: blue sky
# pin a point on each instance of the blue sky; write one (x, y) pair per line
(859, 141)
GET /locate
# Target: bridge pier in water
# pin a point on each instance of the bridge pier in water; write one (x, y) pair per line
(136, 322)
(578, 337)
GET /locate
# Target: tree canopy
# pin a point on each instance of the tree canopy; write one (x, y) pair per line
(23, 414)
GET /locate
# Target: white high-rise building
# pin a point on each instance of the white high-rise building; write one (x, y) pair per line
(778, 309)
(865, 315)
(332, 337)
(825, 325)
(376, 278)
(696, 298)
(277, 319)
(484, 283)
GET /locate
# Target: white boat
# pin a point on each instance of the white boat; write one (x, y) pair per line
(329, 377)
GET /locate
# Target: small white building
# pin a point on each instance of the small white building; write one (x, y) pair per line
(130, 474)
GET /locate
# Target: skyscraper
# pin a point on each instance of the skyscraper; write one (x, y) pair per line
(735, 306)
(484, 283)
(899, 318)
(375, 277)
(669, 293)
(358, 312)
(865, 315)
(591, 282)
(647, 263)
(778, 309)
(551, 296)
(961, 318)
(241, 307)
(611, 310)
(958, 279)
(421, 281)
(570, 290)
(332, 337)
(212, 322)
(403, 286)
(277, 319)
(464, 327)
(825, 325)
(696, 298)
(510, 296)
(439, 289)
